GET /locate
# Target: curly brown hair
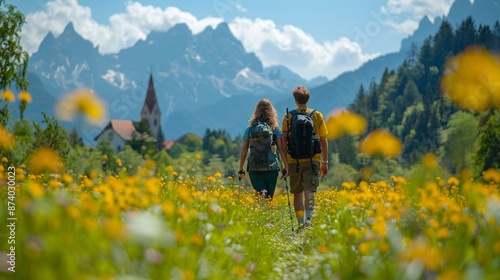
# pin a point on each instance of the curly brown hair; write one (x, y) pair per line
(265, 112)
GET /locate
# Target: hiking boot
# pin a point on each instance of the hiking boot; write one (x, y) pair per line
(308, 223)
(300, 228)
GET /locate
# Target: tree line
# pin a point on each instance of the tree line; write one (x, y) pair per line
(409, 103)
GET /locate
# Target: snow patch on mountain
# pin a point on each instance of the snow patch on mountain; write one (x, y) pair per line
(247, 78)
(115, 78)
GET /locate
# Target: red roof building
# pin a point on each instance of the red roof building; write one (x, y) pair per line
(118, 132)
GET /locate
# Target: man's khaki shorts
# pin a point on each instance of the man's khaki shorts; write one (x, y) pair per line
(306, 179)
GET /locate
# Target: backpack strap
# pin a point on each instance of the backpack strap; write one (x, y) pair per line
(293, 113)
(314, 133)
(312, 118)
(310, 114)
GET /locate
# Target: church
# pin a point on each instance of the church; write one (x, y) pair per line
(119, 132)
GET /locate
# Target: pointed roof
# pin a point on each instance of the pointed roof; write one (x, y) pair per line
(124, 128)
(150, 95)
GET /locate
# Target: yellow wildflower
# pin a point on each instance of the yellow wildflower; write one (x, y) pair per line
(380, 142)
(322, 249)
(443, 233)
(420, 250)
(24, 96)
(363, 248)
(150, 164)
(345, 121)
(240, 271)
(453, 274)
(45, 160)
(430, 160)
(346, 185)
(188, 275)
(67, 178)
(113, 228)
(384, 247)
(54, 184)
(7, 140)
(352, 231)
(152, 185)
(84, 102)
(211, 179)
(183, 213)
(472, 79)
(453, 181)
(35, 189)
(73, 212)
(168, 208)
(184, 195)
(89, 223)
(197, 239)
(8, 96)
(491, 175)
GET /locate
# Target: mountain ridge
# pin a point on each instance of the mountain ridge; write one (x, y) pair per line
(196, 74)
(372, 70)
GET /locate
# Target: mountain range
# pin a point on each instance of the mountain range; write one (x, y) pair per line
(202, 81)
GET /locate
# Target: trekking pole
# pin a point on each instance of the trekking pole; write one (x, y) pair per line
(289, 205)
(286, 182)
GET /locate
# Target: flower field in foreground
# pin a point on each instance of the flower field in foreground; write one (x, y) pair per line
(145, 226)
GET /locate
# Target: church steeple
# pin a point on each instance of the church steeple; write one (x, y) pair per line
(150, 95)
(150, 112)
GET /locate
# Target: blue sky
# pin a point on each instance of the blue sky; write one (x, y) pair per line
(312, 38)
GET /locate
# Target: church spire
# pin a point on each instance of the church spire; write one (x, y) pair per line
(150, 113)
(150, 95)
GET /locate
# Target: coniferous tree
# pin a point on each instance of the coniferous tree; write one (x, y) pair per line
(74, 138)
(443, 44)
(496, 33)
(412, 56)
(486, 37)
(466, 35)
(359, 103)
(426, 54)
(160, 139)
(142, 140)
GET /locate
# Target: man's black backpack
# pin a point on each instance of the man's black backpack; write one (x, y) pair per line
(263, 155)
(301, 136)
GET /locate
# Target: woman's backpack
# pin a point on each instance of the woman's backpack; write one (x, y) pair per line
(263, 155)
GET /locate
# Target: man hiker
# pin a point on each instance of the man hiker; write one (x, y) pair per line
(304, 137)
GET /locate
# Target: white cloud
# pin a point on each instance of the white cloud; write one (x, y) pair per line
(419, 8)
(124, 31)
(289, 45)
(53, 19)
(413, 11)
(241, 9)
(406, 27)
(292, 47)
